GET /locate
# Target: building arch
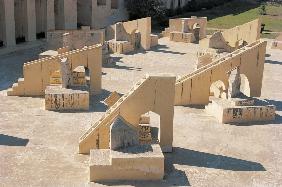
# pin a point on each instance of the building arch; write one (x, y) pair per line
(245, 85)
(218, 89)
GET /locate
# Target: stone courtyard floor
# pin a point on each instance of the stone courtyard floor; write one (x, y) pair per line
(39, 148)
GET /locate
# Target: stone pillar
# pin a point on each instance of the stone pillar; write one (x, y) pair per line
(118, 31)
(95, 67)
(31, 20)
(70, 14)
(66, 73)
(184, 27)
(234, 83)
(9, 23)
(50, 17)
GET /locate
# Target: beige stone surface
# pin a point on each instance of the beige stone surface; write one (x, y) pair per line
(145, 119)
(206, 153)
(124, 37)
(181, 37)
(277, 43)
(60, 99)
(234, 38)
(146, 95)
(226, 112)
(73, 39)
(112, 99)
(144, 162)
(49, 53)
(250, 59)
(186, 29)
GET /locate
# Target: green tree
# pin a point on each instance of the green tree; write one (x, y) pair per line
(262, 10)
(146, 8)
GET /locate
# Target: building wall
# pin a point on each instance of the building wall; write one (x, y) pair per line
(26, 18)
(20, 18)
(2, 23)
(84, 12)
(59, 14)
(41, 15)
(104, 15)
(70, 12)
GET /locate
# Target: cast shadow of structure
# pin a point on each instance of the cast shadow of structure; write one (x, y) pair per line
(7, 140)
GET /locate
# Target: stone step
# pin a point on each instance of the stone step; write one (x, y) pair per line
(15, 85)
(226, 112)
(59, 99)
(143, 162)
(10, 92)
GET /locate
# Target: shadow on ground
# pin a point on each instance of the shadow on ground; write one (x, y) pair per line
(11, 66)
(161, 49)
(273, 62)
(188, 157)
(12, 141)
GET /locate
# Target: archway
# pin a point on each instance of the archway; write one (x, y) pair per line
(135, 38)
(245, 85)
(218, 90)
(238, 84)
(150, 131)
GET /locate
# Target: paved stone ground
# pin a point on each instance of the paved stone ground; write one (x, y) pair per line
(39, 147)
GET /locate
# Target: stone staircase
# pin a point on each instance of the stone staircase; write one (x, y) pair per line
(17, 88)
(99, 128)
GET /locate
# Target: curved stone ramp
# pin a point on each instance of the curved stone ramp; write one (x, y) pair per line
(194, 88)
(152, 93)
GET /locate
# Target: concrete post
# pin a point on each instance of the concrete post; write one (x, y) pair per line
(31, 20)
(9, 23)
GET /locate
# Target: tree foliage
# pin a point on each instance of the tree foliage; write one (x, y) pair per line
(146, 8)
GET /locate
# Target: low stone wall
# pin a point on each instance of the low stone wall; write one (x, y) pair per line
(226, 112)
(59, 99)
(181, 37)
(135, 163)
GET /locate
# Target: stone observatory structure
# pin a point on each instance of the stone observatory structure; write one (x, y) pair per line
(62, 78)
(277, 43)
(232, 83)
(120, 148)
(74, 39)
(234, 38)
(124, 37)
(186, 30)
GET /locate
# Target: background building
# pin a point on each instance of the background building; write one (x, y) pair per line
(28, 20)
